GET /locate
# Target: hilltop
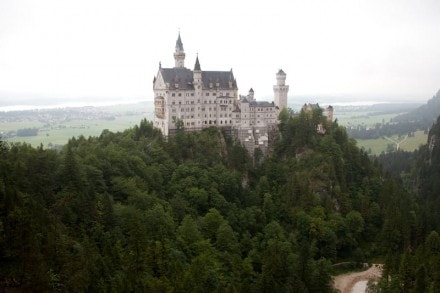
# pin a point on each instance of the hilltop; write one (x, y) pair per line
(424, 116)
(129, 211)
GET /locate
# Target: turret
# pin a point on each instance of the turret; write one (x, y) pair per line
(251, 95)
(330, 113)
(281, 90)
(197, 76)
(179, 54)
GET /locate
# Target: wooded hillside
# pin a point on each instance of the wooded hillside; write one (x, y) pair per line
(130, 211)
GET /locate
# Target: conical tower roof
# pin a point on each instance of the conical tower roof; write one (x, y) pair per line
(197, 65)
(179, 44)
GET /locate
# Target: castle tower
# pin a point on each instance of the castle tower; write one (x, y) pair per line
(197, 72)
(251, 95)
(280, 90)
(330, 113)
(179, 54)
(197, 76)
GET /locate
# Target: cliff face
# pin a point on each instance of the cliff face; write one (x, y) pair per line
(434, 143)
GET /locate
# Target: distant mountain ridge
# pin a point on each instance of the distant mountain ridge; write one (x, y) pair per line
(427, 114)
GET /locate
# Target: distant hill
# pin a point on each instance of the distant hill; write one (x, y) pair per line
(427, 114)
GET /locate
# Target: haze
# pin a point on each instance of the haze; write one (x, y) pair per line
(110, 50)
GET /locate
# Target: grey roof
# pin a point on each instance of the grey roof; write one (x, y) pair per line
(314, 106)
(261, 104)
(181, 75)
(281, 72)
(197, 65)
(243, 99)
(220, 77)
(179, 44)
(184, 77)
(251, 90)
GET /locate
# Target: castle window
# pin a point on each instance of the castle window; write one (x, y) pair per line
(207, 94)
(180, 94)
(173, 103)
(214, 94)
(173, 94)
(227, 94)
(192, 94)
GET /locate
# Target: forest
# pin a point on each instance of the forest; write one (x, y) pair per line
(134, 212)
(420, 118)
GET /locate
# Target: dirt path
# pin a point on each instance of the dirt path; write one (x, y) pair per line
(344, 283)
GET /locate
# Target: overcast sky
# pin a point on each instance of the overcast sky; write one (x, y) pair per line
(373, 49)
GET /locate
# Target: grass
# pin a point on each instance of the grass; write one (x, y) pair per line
(380, 145)
(127, 116)
(354, 118)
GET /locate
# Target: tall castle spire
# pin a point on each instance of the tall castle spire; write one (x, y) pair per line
(281, 90)
(179, 54)
(197, 65)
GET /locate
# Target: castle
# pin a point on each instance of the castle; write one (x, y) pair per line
(197, 99)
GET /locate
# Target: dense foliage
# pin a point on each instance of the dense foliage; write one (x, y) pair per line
(415, 266)
(388, 129)
(131, 211)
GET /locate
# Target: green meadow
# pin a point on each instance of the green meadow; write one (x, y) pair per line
(379, 145)
(354, 116)
(128, 115)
